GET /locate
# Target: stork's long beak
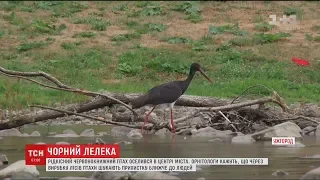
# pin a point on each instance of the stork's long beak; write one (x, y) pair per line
(203, 74)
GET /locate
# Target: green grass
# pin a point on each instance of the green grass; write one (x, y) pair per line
(46, 36)
(233, 29)
(88, 34)
(263, 26)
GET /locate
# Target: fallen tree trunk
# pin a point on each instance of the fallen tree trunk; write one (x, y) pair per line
(184, 100)
(100, 102)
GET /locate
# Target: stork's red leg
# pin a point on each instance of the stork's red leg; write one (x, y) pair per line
(172, 123)
(146, 118)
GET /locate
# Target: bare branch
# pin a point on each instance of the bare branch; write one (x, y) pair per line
(84, 92)
(228, 121)
(34, 74)
(86, 116)
(273, 99)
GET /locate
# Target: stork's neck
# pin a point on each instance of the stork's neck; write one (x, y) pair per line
(185, 84)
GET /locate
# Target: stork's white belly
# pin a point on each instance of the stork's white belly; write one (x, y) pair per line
(165, 106)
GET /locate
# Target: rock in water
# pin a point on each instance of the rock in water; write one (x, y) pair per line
(35, 134)
(87, 133)
(318, 131)
(162, 132)
(10, 132)
(280, 173)
(99, 175)
(75, 178)
(4, 159)
(135, 134)
(67, 133)
(18, 170)
(120, 131)
(152, 175)
(307, 129)
(247, 139)
(312, 175)
(62, 142)
(202, 178)
(212, 133)
(287, 129)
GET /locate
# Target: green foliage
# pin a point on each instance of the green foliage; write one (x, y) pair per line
(178, 40)
(32, 45)
(316, 28)
(138, 63)
(88, 34)
(120, 7)
(157, 27)
(317, 38)
(61, 9)
(262, 38)
(309, 37)
(42, 27)
(294, 11)
(2, 33)
(235, 30)
(151, 9)
(191, 9)
(97, 24)
(264, 26)
(257, 19)
(126, 37)
(13, 19)
(70, 46)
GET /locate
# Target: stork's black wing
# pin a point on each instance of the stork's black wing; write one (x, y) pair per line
(165, 93)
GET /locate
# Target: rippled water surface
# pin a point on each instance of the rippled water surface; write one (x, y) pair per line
(291, 160)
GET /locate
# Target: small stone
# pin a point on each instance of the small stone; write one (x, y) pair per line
(4, 159)
(124, 142)
(135, 134)
(19, 170)
(185, 132)
(215, 140)
(308, 129)
(280, 173)
(99, 141)
(68, 131)
(100, 134)
(62, 142)
(121, 109)
(10, 132)
(52, 133)
(202, 178)
(247, 139)
(40, 143)
(162, 132)
(25, 135)
(87, 133)
(35, 134)
(75, 178)
(120, 131)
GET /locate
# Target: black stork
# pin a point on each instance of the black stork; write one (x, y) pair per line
(165, 95)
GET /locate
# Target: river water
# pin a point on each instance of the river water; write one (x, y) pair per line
(291, 160)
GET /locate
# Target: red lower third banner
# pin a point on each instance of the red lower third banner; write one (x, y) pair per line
(36, 154)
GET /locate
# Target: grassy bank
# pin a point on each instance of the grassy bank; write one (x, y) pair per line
(132, 46)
